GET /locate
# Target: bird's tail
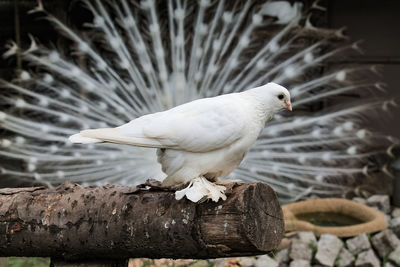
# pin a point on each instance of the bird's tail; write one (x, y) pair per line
(93, 136)
(113, 135)
(79, 139)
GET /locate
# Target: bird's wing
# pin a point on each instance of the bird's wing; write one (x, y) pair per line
(198, 126)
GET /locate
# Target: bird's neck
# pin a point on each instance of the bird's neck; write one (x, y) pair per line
(261, 104)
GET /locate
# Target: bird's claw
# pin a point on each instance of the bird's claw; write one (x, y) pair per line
(200, 189)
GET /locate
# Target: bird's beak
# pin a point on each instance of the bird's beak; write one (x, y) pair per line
(288, 105)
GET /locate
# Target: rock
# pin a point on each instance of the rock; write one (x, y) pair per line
(358, 244)
(394, 256)
(363, 192)
(396, 212)
(221, 262)
(345, 258)
(282, 256)
(265, 260)
(367, 259)
(308, 238)
(360, 200)
(285, 243)
(247, 261)
(395, 225)
(195, 263)
(387, 218)
(299, 263)
(329, 247)
(388, 264)
(300, 250)
(385, 242)
(382, 202)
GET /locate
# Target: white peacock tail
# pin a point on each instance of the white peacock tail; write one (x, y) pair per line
(142, 57)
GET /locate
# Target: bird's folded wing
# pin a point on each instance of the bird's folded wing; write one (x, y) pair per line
(197, 128)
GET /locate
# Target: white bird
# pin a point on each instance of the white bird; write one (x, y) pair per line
(200, 141)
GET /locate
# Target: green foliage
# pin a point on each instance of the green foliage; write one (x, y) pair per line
(385, 259)
(314, 248)
(27, 262)
(337, 262)
(273, 252)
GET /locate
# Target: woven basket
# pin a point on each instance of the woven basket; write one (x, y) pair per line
(372, 220)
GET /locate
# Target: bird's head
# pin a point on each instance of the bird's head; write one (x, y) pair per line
(280, 95)
(274, 96)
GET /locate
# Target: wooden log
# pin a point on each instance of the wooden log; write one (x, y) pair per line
(72, 222)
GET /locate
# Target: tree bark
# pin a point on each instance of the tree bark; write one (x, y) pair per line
(72, 222)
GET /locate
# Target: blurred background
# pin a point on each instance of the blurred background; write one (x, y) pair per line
(373, 23)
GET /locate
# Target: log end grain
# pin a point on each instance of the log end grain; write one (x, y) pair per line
(250, 220)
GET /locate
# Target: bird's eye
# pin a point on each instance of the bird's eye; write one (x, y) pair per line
(280, 97)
